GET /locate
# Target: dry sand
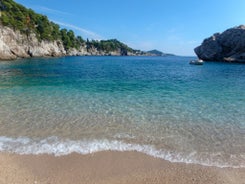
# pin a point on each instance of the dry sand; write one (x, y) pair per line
(107, 168)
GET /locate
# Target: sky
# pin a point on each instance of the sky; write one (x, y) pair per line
(171, 26)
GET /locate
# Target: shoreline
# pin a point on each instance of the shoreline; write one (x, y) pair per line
(98, 55)
(109, 167)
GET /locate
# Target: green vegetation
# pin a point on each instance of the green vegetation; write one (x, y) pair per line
(158, 53)
(110, 46)
(27, 21)
(69, 39)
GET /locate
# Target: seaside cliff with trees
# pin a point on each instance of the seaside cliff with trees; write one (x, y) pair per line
(24, 33)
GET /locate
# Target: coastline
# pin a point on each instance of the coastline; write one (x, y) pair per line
(109, 167)
(15, 45)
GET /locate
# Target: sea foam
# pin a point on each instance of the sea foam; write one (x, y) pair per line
(58, 147)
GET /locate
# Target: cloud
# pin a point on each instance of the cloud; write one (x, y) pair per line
(49, 10)
(88, 33)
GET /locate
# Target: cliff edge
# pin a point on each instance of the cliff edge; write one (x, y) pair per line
(14, 45)
(24, 33)
(228, 46)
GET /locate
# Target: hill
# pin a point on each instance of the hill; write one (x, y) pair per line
(158, 53)
(24, 33)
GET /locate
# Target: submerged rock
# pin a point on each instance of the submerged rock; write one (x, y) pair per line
(227, 46)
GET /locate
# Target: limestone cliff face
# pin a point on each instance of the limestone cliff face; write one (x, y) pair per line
(84, 51)
(227, 46)
(14, 45)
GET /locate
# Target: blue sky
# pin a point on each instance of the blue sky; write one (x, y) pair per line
(172, 26)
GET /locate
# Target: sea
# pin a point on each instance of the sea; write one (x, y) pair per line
(160, 106)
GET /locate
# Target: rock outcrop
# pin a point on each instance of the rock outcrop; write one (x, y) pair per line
(84, 51)
(14, 45)
(228, 46)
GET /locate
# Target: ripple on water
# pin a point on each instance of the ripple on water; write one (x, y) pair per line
(157, 105)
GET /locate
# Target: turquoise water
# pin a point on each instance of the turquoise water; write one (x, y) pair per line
(161, 106)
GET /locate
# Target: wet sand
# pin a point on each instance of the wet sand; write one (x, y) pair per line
(109, 168)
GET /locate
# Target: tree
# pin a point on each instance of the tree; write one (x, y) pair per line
(27, 21)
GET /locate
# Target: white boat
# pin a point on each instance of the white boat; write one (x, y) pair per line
(196, 62)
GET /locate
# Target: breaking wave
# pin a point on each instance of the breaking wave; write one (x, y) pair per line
(58, 147)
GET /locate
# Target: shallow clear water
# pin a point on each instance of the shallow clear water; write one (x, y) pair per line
(161, 106)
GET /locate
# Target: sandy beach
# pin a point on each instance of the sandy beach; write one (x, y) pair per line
(109, 167)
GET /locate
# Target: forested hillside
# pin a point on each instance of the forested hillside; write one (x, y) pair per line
(25, 20)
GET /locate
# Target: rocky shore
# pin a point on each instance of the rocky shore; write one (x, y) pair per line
(14, 44)
(228, 46)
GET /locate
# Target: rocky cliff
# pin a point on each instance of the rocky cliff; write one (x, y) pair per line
(84, 51)
(14, 45)
(24, 33)
(228, 46)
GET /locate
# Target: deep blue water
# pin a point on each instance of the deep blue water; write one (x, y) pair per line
(158, 105)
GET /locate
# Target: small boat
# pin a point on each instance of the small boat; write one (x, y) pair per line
(196, 62)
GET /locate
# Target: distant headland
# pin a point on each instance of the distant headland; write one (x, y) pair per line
(24, 33)
(228, 46)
